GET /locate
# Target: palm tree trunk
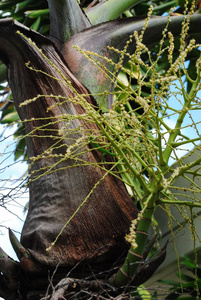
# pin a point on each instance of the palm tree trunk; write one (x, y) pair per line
(96, 233)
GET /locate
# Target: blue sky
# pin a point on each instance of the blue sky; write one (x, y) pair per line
(12, 214)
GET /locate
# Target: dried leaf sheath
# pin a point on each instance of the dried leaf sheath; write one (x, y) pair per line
(98, 229)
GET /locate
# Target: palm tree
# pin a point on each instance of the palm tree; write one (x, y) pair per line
(50, 78)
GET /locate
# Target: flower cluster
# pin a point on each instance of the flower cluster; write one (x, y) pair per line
(131, 237)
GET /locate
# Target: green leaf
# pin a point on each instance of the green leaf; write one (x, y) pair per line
(165, 7)
(3, 72)
(20, 149)
(10, 118)
(8, 109)
(35, 26)
(109, 10)
(188, 262)
(36, 13)
(44, 29)
(20, 131)
(22, 5)
(186, 298)
(144, 293)
(187, 278)
(8, 5)
(98, 147)
(170, 282)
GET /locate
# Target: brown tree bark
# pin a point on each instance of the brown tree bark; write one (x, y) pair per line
(96, 234)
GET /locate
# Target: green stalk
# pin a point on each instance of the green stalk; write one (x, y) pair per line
(189, 166)
(122, 155)
(109, 10)
(165, 6)
(175, 132)
(22, 5)
(134, 257)
(127, 146)
(126, 273)
(133, 183)
(36, 13)
(185, 203)
(177, 144)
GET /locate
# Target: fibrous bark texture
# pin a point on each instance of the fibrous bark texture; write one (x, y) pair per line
(96, 233)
